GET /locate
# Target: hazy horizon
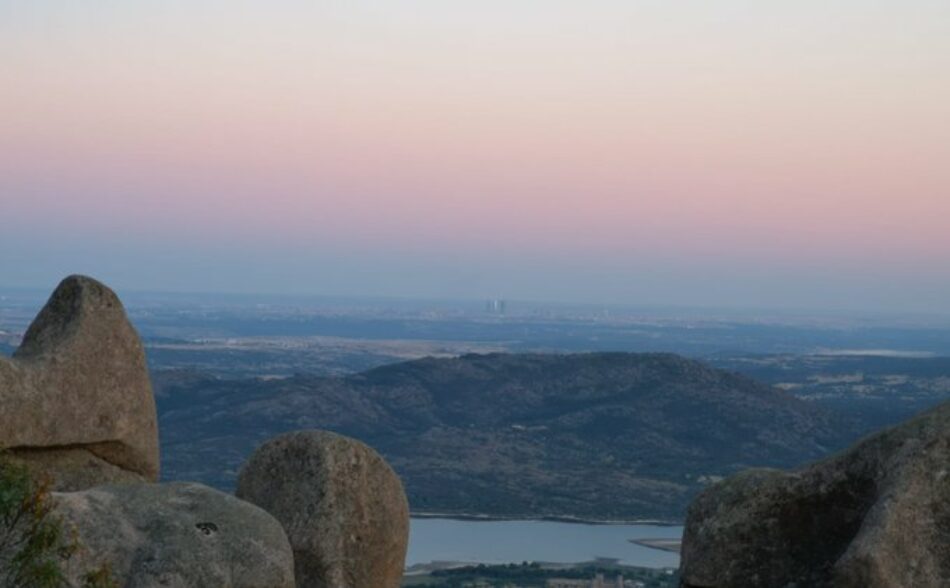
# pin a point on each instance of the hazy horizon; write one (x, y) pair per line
(626, 153)
(832, 317)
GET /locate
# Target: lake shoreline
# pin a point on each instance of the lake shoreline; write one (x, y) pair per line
(454, 516)
(670, 545)
(498, 542)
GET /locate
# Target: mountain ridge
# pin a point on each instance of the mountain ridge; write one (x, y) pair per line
(595, 435)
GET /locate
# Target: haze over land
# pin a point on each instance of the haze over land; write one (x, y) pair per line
(231, 371)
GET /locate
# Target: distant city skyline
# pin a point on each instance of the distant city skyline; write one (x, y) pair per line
(730, 154)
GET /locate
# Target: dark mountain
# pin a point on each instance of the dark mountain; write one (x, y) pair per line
(603, 435)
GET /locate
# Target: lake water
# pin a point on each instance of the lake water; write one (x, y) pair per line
(543, 541)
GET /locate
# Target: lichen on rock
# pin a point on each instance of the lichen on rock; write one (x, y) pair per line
(343, 507)
(874, 516)
(176, 535)
(75, 399)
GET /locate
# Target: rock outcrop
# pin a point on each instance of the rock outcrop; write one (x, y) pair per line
(75, 399)
(343, 507)
(874, 516)
(176, 535)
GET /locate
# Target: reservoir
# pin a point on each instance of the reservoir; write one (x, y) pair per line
(498, 542)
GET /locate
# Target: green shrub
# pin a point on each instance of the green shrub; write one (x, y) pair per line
(34, 545)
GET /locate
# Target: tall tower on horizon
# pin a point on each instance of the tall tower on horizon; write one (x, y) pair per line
(495, 306)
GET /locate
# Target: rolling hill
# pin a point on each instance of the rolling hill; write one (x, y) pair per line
(595, 436)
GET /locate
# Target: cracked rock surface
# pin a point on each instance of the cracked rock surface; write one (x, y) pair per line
(343, 507)
(876, 515)
(177, 535)
(75, 399)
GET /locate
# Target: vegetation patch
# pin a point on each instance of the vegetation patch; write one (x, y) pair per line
(535, 575)
(35, 546)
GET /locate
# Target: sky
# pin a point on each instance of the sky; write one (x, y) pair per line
(735, 153)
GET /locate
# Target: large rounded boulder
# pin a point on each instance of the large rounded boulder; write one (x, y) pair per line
(342, 506)
(178, 535)
(874, 516)
(76, 402)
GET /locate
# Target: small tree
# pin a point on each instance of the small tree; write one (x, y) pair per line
(33, 542)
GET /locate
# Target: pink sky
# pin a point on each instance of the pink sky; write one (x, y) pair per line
(738, 136)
